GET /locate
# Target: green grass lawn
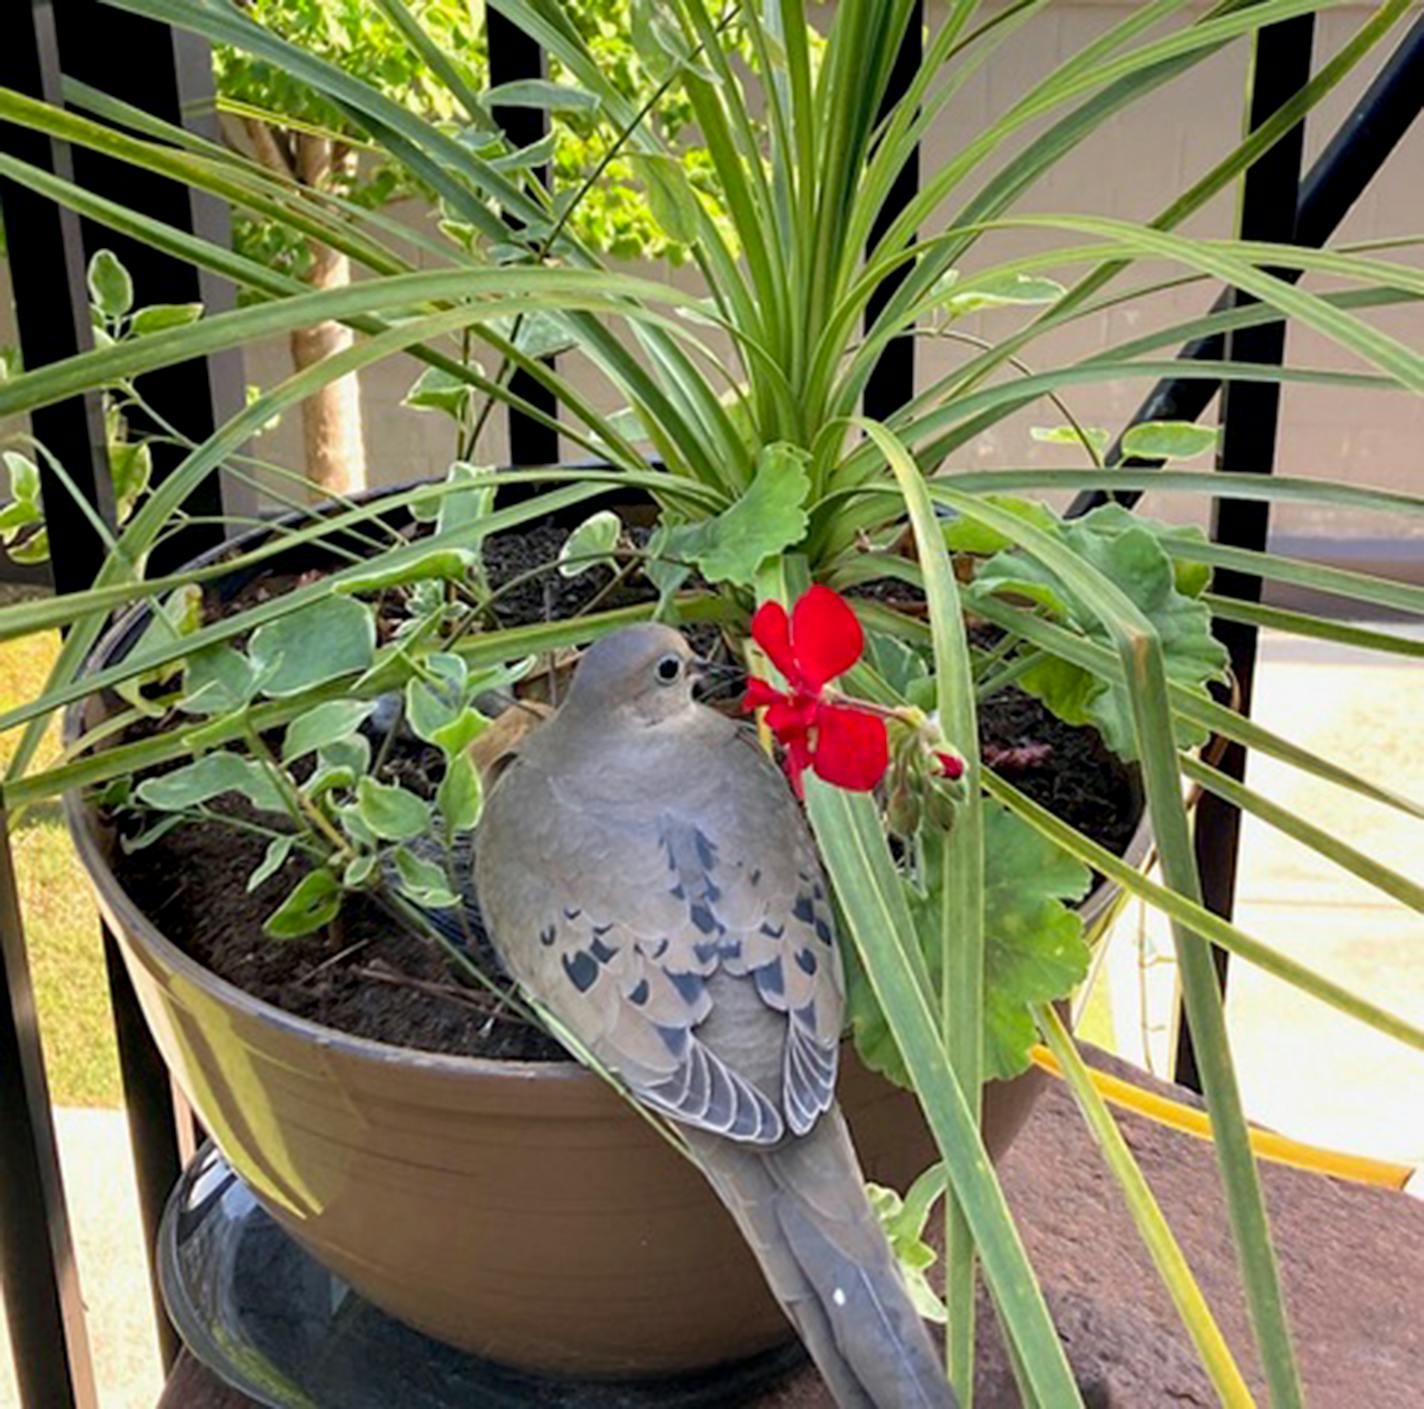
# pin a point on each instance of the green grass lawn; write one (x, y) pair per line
(61, 921)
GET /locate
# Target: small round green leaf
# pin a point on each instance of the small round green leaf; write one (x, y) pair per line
(110, 288)
(327, 724)
(313, 903)
(332, 637)
(391, 812)
(590, 544)
(159, 316)
(461, 795)
(1169, 440)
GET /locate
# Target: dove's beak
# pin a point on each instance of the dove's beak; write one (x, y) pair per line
(713, 678)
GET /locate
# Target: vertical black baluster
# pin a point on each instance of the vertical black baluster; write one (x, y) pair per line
(168, 74)
(514, 55)
(43, 1305)
(1249, 417)
(892, 383)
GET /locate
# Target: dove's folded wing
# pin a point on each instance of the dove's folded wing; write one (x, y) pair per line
(628, 922)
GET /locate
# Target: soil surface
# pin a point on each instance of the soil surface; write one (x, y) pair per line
(374, 978)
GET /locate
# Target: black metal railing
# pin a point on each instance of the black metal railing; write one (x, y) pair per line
(170, 75)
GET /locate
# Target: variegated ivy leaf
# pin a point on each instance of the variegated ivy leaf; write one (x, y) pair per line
(180, 614)
(914, 1255)
(460, 796)
(1096, 436)
(338, 766)
(591, 544)
(275, 857)
(326, 724)
(159, 317)
(436, 565)
(211, 776)
(423, 881)
(1003, 291)
(315, 901)
(438, 390)
(1169, 440)
(391, 812)
(110, 287)
(317, 643)
(218, 680)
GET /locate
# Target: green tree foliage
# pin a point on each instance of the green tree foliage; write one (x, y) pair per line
(614, 218)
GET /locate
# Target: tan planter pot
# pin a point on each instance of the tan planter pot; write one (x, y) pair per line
(518, 1210)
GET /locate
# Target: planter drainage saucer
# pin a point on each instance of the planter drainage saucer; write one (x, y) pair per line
(273, 1323)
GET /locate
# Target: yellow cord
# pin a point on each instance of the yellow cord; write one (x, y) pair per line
(1278, 1148)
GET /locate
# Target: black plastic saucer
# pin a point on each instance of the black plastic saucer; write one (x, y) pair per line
(271, 1322)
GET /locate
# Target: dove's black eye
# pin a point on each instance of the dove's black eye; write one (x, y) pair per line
(669, 669)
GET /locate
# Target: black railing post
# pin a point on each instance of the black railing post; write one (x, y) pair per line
(892, 382)
(1250, 415)
(515, 55)
(51, 303)
(43, 1304)
(169, 75)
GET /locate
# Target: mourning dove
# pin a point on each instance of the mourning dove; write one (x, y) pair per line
(646, 874)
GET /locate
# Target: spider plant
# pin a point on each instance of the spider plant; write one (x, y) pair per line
(740, 421)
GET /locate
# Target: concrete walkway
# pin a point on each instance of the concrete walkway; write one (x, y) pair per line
(1305, 1069)
(103, 1207)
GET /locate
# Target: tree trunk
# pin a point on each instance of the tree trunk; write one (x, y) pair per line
(332, 433)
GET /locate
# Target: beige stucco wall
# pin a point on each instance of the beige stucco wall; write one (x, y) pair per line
(1130, 169)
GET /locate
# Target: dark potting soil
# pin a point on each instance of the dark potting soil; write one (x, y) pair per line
(373, 978)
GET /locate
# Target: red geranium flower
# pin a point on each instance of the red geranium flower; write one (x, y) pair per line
(841, 743)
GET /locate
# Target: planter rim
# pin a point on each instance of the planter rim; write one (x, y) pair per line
(83, 827)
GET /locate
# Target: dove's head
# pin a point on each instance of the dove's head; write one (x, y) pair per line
(642, 674)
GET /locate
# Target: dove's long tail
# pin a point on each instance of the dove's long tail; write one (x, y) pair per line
(803, 1209)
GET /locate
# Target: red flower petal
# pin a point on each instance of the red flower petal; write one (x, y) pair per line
(791, 715)
(949, 766)
(760, 693)
(796, 761)
(825, 636)
(852, 750)
(771, 630)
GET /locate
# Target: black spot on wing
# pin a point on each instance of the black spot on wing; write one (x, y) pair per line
(675, 1039)
(706, 850)
(806, 961)
(772, 931)
(704, 919)
(581, 969)
(639, 995)
(547, 936)
(571, 913)
(803, 910)
(689, 987)
(601, 951)
(770, 980)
